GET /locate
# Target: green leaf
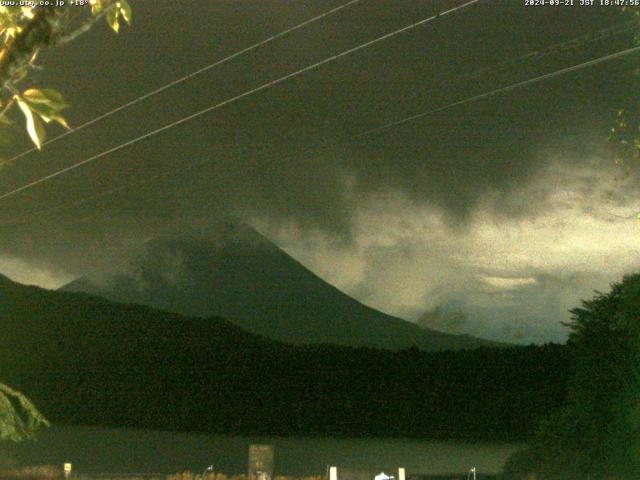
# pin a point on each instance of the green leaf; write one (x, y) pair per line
(61, 120)
(96, 7)
(47, 104)
(46, 96)
(112, 19)
(34, 125)
(47, 114)
(125, 10)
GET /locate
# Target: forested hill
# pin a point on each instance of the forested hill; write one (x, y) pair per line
(85, 360)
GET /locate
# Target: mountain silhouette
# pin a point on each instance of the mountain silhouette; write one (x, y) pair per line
(236, 273)
(84, 360)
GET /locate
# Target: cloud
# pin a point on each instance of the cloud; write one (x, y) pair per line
(508, 283)
(23, 272)
(513, 187)
(515, 278)
(444, 320)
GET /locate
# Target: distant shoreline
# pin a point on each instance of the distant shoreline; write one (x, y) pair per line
(109, 450)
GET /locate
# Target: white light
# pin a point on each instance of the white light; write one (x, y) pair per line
(333, 473)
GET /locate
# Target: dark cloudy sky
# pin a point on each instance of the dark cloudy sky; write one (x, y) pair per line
(508, 208)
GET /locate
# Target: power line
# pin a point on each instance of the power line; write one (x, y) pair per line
(77, 203)
(384, 127)
(234, 99)
(108, 193)
(535, 55)
(187, 77)
(507, 88)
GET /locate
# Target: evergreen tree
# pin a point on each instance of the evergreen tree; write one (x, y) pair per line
(597, 432)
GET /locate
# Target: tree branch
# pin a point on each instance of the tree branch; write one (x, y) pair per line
(38, 32)
(84, 28)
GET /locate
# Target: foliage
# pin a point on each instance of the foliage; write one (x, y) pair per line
(597, 432)
(24, 32)
(41, 472)
(134, 366)
(53, 472)
(19, 418)
(624, 137)
(624, 140)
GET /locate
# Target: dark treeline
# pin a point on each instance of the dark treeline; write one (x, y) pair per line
(84, 360)
(596, 433)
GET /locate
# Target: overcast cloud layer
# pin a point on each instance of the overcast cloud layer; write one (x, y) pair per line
(507, 209)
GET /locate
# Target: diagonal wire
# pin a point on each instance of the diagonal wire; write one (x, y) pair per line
(387, 126)
(185, 78)
(107, 193)
(248, 93)
(561, 47)
(507, 88)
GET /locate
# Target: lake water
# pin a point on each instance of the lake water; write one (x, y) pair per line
(93, 450)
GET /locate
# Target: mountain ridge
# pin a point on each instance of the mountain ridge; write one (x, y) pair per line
(84, 360)
(238, 274)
